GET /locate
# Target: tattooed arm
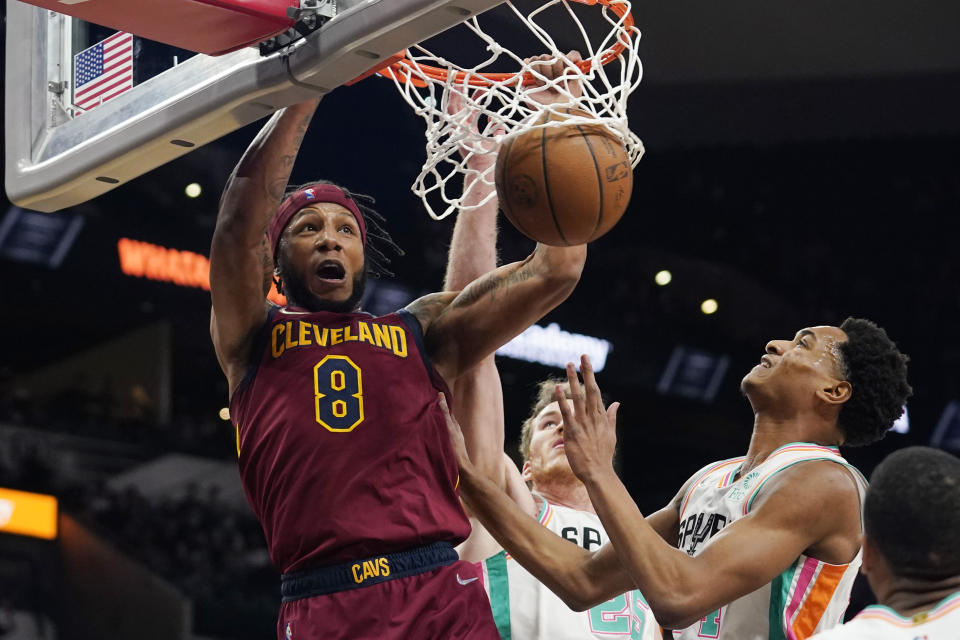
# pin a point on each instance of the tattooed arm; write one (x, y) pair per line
(463, 328)
(238, 256)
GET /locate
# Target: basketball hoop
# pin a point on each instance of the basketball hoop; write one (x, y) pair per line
(609, 72)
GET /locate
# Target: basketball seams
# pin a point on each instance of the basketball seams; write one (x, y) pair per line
(596, 169)
(559, 181)
(503, 163)
(546, 178)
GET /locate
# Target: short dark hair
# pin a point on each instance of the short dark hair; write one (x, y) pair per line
(877, 371)
(912, 512)
(379, 241)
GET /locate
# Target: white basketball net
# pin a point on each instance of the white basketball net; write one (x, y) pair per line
(502, 104)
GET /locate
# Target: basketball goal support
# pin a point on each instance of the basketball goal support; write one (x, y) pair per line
(54, 161)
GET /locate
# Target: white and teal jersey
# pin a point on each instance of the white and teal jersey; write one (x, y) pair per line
(525, 609)
(808, 597)
(878, 622)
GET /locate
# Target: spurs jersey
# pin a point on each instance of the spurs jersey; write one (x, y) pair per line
(525, 609)
(343, 448)
(808, 597)
(878, 622)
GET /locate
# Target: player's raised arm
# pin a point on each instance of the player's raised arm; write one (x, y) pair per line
(787, 520)
(238, 255)
(493, 309)
(478, 394)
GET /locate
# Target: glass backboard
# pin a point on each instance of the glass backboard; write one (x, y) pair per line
(63, 148)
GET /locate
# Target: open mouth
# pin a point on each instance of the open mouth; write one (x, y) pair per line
(331, 270)
(765, 361)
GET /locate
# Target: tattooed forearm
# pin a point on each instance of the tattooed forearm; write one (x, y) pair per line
(476, 290)
(276, 184)
(276, 189)
(492, 284)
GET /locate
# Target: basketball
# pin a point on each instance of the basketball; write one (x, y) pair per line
(564, 185)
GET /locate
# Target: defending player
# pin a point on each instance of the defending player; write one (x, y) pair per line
(342, 445)
(764, 546)
(523, 608)
(910, 554)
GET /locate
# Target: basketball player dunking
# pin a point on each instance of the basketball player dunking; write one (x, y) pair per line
(522, 606)
(342, 444)
(760, 547)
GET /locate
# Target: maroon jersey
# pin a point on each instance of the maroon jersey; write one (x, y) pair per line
(344, 452)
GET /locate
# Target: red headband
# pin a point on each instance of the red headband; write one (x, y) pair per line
(311, 195)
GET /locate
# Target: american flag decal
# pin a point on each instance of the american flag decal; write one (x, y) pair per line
(103, 71)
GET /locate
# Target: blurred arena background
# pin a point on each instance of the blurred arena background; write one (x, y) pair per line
(802, 165)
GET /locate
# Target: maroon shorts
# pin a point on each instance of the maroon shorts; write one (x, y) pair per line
(447, 603)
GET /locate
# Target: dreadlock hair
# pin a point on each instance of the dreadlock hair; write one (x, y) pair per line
(912, 512)
(379, 241)
(877, 371)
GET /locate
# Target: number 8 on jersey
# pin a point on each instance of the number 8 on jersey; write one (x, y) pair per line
(338, 390)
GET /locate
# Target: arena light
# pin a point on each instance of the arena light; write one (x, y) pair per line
(555, 347)
(193, 190)
(28, 514)
(663, 277)
(224, 414)
(709, 306)
(902, 424)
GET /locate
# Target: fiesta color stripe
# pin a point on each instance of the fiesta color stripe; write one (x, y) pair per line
(748, 503)
(825, 453)
(706, 472)
(546, 514)
(726, 479)
(880, 612)
(815, 587)
(779, 593)
(500, 593)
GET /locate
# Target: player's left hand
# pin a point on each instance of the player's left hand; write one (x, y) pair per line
(589, 430)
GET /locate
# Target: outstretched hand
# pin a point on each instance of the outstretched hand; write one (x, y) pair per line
(589, 430)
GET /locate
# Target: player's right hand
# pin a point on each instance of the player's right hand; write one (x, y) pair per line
(547, 68)
(589, 429)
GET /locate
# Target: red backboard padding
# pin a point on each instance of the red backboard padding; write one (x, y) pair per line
(212, 27)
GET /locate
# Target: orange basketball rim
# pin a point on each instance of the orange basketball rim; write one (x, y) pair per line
(402, 68)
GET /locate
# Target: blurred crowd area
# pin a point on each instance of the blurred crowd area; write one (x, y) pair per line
(212, 552)
(121, 411)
